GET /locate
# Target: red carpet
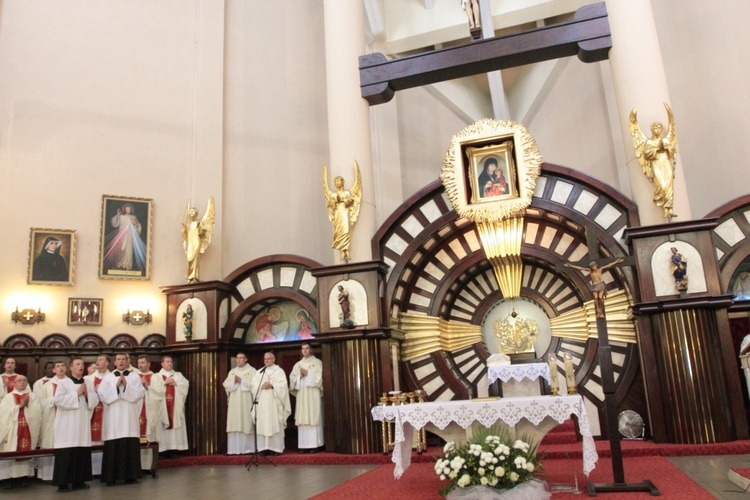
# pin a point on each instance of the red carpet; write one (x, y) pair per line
(420, 482)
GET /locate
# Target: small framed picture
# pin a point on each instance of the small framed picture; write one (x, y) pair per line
(125, 242)
(51, 257)
(492, 172)
(85, 312)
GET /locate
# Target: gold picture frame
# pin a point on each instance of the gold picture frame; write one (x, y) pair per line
(492, 172)
(51, 257)
(125, 240)
(510, 144)
(85, 312)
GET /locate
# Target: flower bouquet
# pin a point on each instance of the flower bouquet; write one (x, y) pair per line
(491, 464)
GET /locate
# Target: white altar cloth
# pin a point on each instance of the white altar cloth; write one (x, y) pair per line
(508, 410)
(531, 371)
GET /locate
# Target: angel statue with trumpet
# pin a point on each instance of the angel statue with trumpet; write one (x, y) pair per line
(657, 157)
(343, 209)
(196, 236)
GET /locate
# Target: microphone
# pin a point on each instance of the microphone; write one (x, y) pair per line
(263, 369)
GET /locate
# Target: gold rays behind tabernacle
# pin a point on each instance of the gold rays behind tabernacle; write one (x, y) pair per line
(427, 334)
(502, 241)
(581, 324)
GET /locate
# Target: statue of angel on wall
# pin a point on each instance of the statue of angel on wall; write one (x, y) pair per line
(343, 209)
(657, 157)
(196, 235)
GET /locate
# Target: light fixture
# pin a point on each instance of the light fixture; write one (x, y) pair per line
(27, 316)
(137, 317)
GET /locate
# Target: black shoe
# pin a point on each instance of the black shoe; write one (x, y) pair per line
(63, 489)
(131, 481)
(81, 486)
(111, 483)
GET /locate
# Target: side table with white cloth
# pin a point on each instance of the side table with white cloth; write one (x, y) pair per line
(521, 380)
(530, 416)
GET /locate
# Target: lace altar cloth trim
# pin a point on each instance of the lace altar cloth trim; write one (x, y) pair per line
(464, 413)
(531, 371)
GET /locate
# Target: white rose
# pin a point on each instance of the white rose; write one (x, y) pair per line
(500, 471)
(464, 481)
(481, 471)
(484, 480)
(530, 467)
(442, 477)
(453, 475)
(513, 477)
(449, 446)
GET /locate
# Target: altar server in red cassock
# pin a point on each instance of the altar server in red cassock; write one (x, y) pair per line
(146, 419)
(169, 389)
(20, 420)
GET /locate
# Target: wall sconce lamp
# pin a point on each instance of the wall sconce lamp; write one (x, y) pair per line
(137, 317)
(27, 316)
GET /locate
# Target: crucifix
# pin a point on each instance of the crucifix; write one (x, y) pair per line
(595, 266)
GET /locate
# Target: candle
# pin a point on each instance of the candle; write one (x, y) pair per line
(570, 374)
(553, 374)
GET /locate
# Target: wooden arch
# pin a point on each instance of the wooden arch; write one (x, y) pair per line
(438, 268)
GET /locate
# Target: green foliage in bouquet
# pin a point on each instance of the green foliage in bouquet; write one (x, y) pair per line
(490, 458)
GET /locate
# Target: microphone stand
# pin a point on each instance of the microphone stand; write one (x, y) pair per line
(254, 457)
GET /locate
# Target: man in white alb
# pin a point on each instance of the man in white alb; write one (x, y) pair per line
(240, 409)
(121, 392)
(273, 407)
(43, 392)
(20, 420)
(306, 384)
(168, 389)
(74, 401)
(9, 375)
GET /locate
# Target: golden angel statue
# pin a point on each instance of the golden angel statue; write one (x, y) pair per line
(657, 157)
(343, 209)
(196, 235)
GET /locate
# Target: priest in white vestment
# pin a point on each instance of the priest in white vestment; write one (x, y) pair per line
(121, 391)
(44, 389)
(20, 420)
(74, 401)
(168, 389)
(101, 369)
(240, 409)
(273, 407)
(306, 384)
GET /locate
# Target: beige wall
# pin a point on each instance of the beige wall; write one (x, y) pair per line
(176, 100)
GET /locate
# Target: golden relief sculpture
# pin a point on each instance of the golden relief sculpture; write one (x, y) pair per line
(196, 236)
(657, 158)
(343, 209)
(515, 334)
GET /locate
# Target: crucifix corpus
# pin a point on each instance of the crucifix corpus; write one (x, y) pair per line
(595, 266)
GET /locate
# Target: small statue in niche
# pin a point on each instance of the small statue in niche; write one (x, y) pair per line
(741, 287)
(196, 235)
(678, 265)
(657, 158)
(345, 317)
(187, 322)
(343, 209)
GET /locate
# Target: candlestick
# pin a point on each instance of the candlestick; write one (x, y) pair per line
(570, 374)
(553, 385)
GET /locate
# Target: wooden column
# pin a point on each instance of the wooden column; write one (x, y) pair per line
(690, 369)
(357, 362)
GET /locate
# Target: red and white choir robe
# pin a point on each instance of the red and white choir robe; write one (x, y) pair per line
(240, 411)
(308, 412)
(273, 408)
(122, 409)
(169, 410)
(8, 382)
(97, 423)
(145, 420)
(72, 429)
(45, 389)
(19, 431)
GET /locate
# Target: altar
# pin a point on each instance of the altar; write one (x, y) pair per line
(530, 416)
(519, 380)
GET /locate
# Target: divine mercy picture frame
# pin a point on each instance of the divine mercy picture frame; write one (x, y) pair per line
(125, 240)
